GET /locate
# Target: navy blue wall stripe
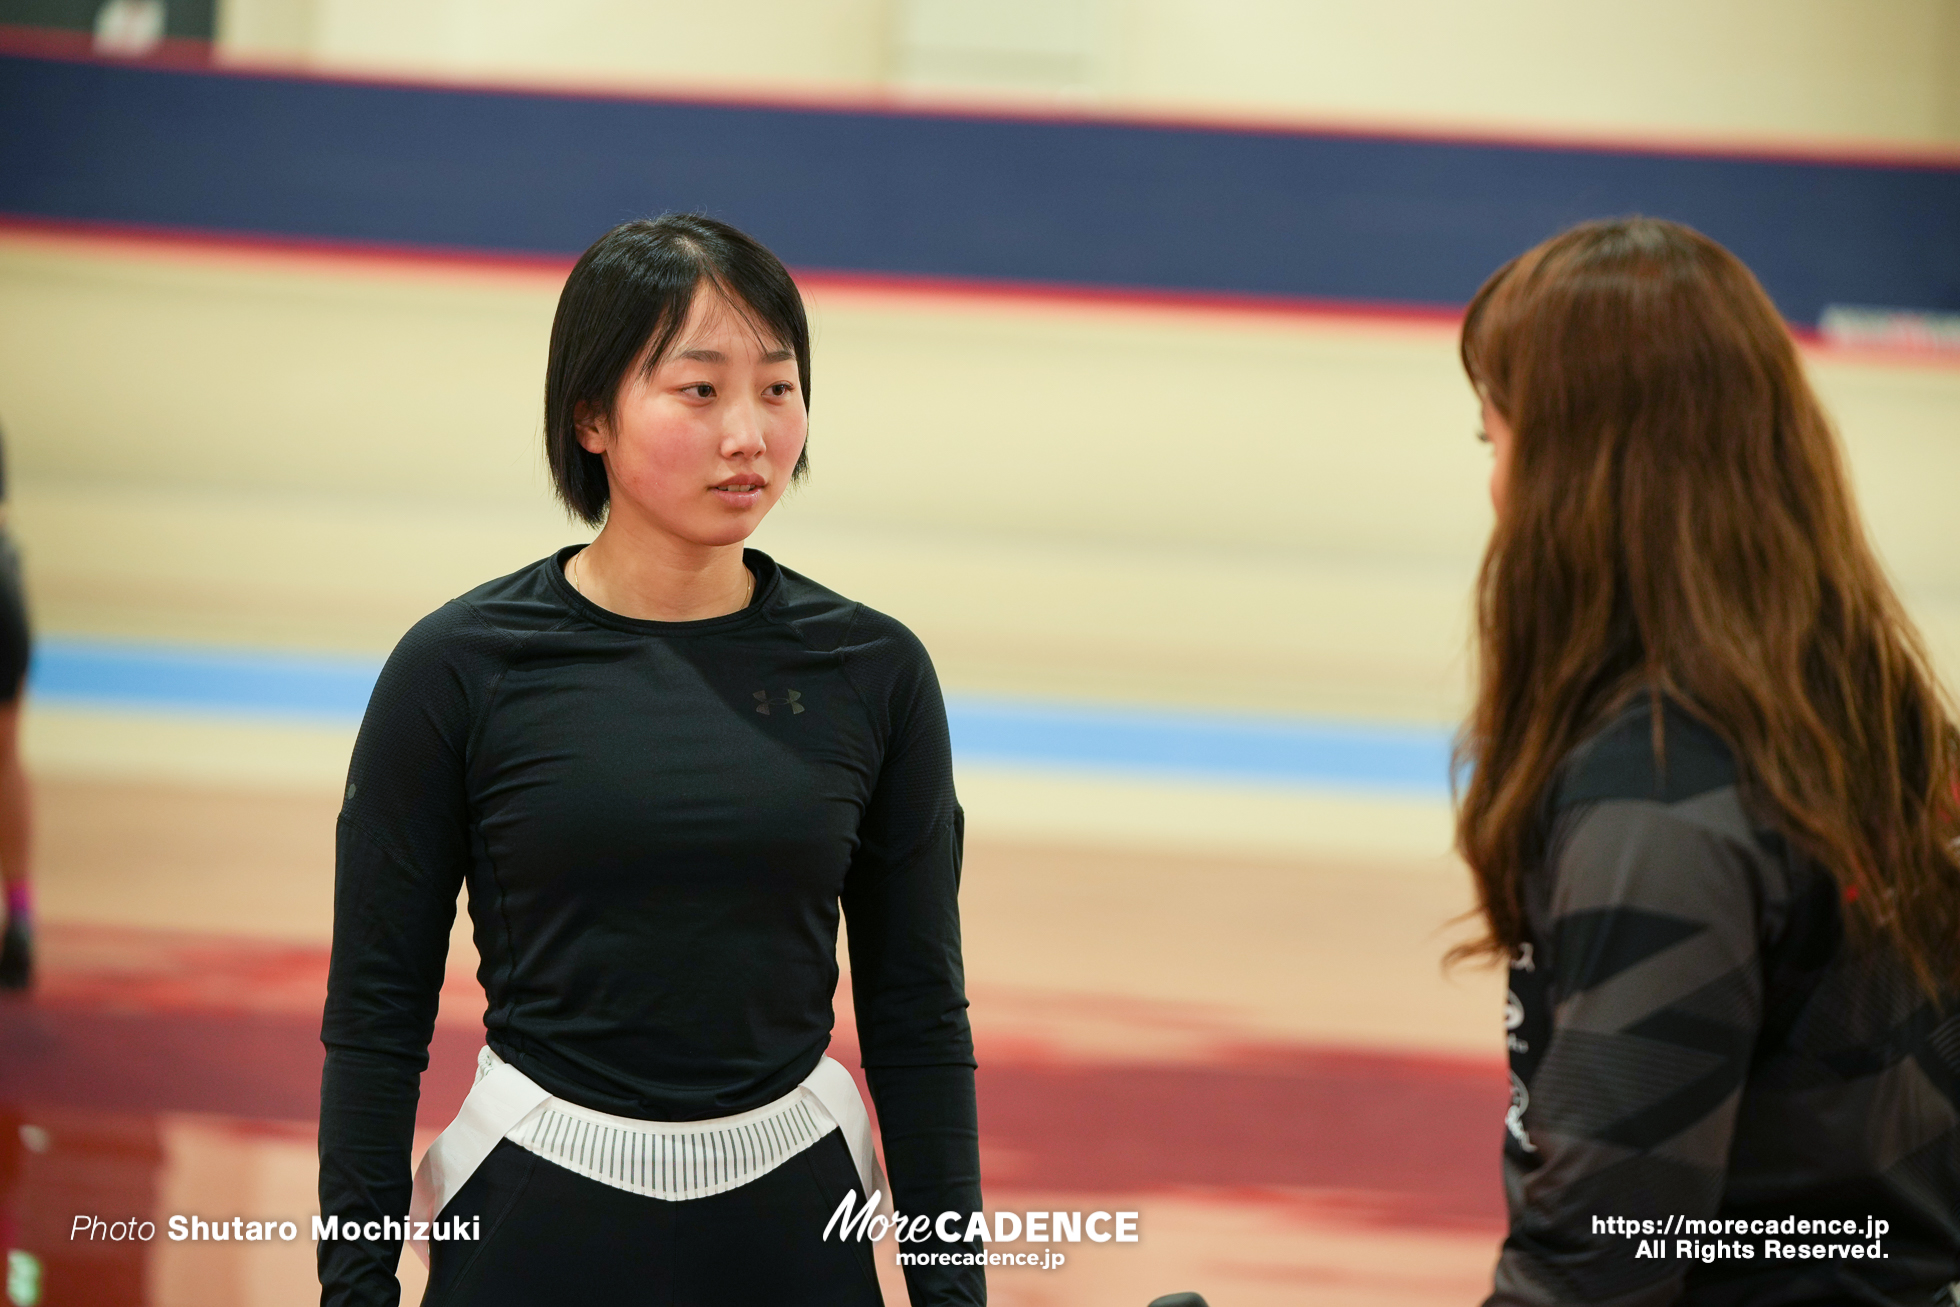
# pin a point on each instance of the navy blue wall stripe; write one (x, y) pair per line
(1094, 204)
(1206, 746)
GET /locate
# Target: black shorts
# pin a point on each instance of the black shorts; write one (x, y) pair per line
(14, 639)
(551, 1235)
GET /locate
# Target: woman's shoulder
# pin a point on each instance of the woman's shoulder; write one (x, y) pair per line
(1651, 814)
(485, 620)
(1638, 791)
(1631, 757)
(828, 620)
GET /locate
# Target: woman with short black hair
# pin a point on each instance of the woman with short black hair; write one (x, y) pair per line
(1711, 809)
(659, 763)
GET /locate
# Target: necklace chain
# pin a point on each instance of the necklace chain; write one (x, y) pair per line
(577, 565)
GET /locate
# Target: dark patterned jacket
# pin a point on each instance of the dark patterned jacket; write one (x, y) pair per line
(1693, 1040)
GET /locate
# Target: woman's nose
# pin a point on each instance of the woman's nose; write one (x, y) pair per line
(743, 431)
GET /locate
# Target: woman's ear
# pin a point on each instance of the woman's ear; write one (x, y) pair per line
(594, 427)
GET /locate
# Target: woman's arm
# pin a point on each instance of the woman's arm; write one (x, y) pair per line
(1656, 984)
(907, 979)
(401, 853)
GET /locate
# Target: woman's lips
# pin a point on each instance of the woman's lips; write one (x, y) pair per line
(739, 493)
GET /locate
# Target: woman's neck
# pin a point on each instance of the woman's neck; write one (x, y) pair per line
(660, 579)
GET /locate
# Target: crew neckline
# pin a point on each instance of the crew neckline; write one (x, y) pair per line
(768, 579)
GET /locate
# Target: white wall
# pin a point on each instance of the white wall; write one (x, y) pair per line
(1793, 70)
(785, 45)
(1882, 69)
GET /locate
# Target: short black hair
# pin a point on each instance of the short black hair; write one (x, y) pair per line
(635, 285)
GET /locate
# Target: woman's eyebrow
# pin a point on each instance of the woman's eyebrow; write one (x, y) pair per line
(716, 356)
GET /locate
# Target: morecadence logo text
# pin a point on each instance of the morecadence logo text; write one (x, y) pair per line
(966, 1229)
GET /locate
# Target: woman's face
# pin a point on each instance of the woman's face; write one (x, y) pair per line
(1497, 432)
(701, 448)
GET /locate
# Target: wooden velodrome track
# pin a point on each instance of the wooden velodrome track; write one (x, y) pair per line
(1259, 1055)
(1219, 1005)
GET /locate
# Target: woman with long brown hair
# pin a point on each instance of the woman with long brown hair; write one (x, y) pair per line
(1710, 807)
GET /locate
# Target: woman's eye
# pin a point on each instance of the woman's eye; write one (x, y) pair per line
(699, 390)
(780, 389)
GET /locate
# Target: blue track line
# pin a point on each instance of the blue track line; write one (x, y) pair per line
(1290, 750)
(1011, 732)
(188, 679)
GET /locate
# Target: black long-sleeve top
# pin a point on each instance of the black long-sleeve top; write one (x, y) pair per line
(1694, 1039)
(657, 823)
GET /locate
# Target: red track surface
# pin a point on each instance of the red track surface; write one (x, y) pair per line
(137, 1022)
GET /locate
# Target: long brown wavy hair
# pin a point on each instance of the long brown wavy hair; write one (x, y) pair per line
(1677, 522)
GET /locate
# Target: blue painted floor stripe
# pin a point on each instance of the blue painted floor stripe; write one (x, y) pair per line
(1285, 749)
(185, 678)
(1162, 742)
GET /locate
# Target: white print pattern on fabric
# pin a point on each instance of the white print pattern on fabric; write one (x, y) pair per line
(670, 1160)
(675, 1161)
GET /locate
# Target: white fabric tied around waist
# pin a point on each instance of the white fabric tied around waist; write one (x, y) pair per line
(672, 1160)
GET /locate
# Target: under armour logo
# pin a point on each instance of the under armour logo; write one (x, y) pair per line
(791, 700)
